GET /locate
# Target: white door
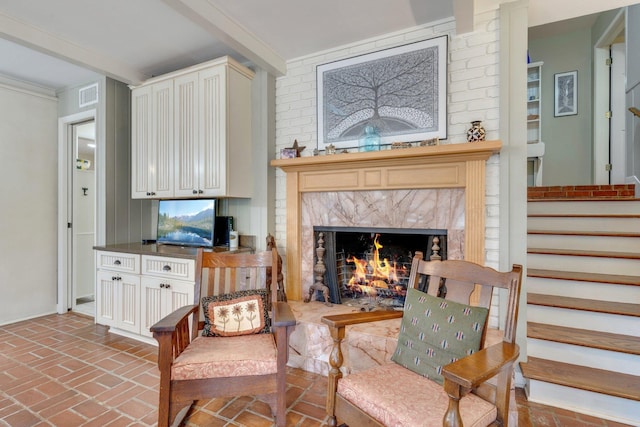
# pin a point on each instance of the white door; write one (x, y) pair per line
(617, 136)
(83, 200)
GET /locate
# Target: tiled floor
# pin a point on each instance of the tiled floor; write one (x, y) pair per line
(62, 370)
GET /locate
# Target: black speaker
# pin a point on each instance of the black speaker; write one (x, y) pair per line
(223, 225)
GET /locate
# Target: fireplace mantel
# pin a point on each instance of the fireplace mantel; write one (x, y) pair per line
(442, 166)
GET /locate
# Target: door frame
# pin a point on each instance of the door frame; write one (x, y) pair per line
(601, 95)
(65, 209)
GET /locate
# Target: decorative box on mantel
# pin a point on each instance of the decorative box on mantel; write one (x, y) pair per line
(459, 167)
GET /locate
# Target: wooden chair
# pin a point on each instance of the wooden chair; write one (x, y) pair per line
(388, 393)
(194, 367)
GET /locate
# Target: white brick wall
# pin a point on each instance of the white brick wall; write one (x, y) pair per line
(473, 94)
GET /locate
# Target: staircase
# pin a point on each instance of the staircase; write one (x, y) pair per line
(583, 306)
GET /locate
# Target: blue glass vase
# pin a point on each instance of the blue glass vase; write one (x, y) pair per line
(370, 140)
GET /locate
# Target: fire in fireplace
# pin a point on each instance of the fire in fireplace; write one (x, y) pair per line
(369, 267)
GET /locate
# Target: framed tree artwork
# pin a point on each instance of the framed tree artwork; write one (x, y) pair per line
(401, 92)
(566, 94)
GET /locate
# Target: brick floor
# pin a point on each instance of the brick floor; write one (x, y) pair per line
(63, 370)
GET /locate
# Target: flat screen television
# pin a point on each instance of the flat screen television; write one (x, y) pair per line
(186, 222)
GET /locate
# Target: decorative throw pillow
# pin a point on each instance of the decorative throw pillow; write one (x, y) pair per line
(237, 313)
(435, 332)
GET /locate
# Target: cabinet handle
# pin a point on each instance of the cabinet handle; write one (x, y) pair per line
(195, 191)
(168, 285)
(162, 285)
(200, 191)
(166, 268)
(114, 278)
(117, 262)
(150, 193)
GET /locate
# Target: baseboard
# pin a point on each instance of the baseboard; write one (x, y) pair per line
(132, 335)
(22, 319)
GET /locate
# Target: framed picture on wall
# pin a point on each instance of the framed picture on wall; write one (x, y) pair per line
(566, 94)
(401, 92)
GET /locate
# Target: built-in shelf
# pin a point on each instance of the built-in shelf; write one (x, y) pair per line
(535, 146)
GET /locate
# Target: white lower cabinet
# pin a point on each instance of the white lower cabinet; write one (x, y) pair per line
(160, 297)
(128, 303)
(135, 291)
(118, 290)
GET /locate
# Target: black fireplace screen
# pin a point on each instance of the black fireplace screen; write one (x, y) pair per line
(370, 266)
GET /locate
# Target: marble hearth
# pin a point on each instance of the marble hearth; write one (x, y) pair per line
(365, 345)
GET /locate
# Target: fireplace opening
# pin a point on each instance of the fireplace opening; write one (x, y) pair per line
(369, 267)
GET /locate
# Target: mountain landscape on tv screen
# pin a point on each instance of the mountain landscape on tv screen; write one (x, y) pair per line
(194, 229)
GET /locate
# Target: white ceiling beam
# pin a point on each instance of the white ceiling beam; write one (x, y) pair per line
(463, 11)
(231, 33)
(36, 39)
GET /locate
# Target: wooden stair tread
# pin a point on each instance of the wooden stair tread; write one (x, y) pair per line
(596, 380)
(609, 307)
(580, 252)
(616, 279)
(584, 233)
(584, 337)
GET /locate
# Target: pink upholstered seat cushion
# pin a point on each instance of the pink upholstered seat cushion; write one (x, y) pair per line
(215, 357)
(395, 396)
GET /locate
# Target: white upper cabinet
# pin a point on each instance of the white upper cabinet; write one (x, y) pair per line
(152, 141)
(208, 138)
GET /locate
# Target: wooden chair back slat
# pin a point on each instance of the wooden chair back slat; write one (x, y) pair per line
(221, 273)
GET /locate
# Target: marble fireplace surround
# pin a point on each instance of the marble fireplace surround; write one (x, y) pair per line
(439, 186)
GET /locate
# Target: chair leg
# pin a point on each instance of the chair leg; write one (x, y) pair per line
(281, 410)
(164, 407)
(278, 404)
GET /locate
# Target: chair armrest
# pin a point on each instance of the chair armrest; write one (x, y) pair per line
(170, 322)
(471, 371)
(342, 320)
(282, 315)
(337, 328)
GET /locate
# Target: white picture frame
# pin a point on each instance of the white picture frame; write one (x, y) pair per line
(401, 91)
(565, 94)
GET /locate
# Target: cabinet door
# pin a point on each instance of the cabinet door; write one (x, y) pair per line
(141, 142)
(128, 303)
(212, 165)
(178, 295)
(151, 303)
(106, 298)
(161, 297)
(152, 141)
(161, 168)
(186, 135)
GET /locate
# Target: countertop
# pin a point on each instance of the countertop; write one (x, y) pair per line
(188, 252)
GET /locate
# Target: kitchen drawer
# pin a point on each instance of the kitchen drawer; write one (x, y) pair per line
(118, 261)
(172, 268)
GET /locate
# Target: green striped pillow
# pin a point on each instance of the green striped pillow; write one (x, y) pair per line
(435, 332)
